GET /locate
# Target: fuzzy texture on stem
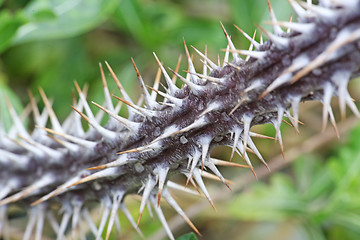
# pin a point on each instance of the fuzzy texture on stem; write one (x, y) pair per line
(314, 60)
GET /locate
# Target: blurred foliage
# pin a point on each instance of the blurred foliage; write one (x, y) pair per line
(189, 236)
(321, 197)
(52, 43)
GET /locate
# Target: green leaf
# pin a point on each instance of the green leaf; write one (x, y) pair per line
(6, 93)
(60, 19)
(188, 236)
(8, 26)
(275, 202)
(44, 15)
(311, 178)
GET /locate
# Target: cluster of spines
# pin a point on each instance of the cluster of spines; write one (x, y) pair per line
(313, 60)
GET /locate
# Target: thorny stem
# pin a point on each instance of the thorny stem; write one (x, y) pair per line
(161, 140)
(222, 194)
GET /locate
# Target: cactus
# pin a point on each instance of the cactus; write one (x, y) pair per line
(314, 59)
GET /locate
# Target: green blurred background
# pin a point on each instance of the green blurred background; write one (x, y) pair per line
(51, 44)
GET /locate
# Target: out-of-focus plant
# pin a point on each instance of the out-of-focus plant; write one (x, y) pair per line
(320, 198)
